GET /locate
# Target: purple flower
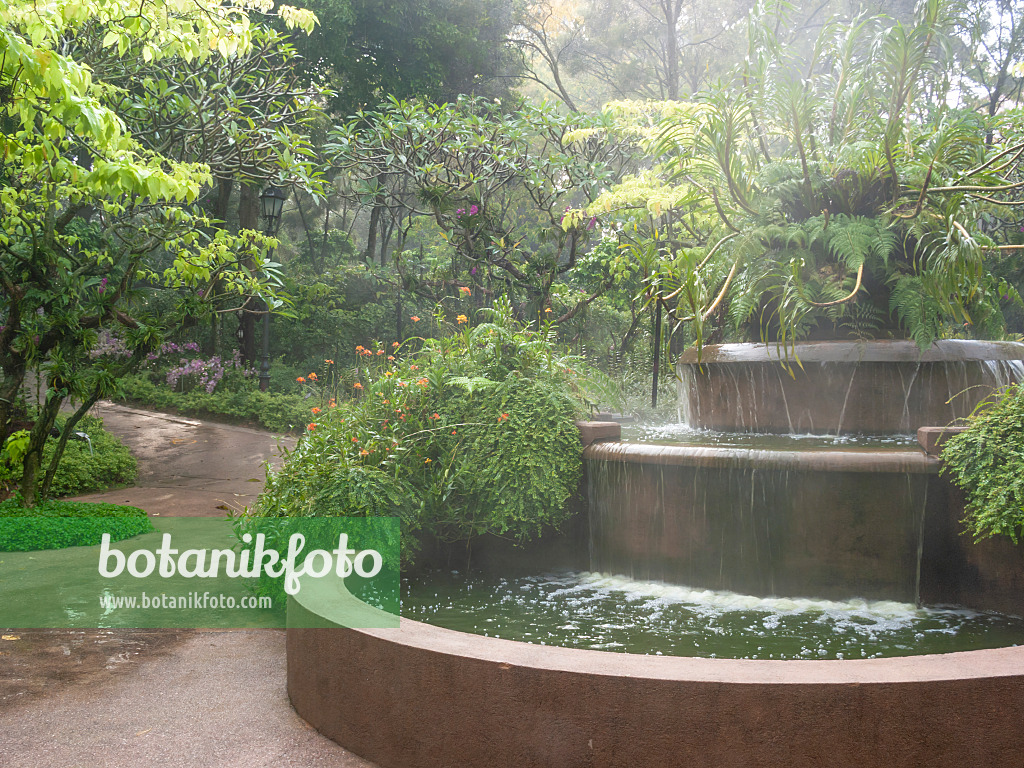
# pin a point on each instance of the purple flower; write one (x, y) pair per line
(472, 271)
(103, 285)
(473, 210)
(592, 224)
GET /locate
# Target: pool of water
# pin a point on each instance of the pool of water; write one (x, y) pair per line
(614, 613)
(677, 433)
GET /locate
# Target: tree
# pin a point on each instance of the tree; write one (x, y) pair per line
(504, 188)
(84, 206)
(432, 49)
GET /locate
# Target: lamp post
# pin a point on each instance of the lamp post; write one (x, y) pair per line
(271, 205)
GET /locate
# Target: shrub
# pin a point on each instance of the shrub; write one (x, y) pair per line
(273, 410)
(472, 434)
(109, 463)
(59, 524)
(987, 462)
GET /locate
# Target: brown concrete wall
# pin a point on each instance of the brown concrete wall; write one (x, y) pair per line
(421, 696)
(828, 524)
(986, 575)
(866, 387)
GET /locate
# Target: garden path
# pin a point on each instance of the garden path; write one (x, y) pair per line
(175, 698)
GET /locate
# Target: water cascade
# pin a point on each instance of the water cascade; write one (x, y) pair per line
(778, 510)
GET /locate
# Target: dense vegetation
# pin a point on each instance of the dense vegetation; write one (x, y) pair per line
(791, 173)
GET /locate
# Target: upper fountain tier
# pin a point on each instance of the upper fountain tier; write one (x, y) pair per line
(841, 387)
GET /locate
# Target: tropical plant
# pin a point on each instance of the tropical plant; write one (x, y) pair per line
(838, 196)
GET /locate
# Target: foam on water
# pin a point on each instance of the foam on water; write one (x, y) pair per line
(616, 613)
(682, 433)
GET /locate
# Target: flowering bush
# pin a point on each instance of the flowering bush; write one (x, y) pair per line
(471, 434)
(181, 371)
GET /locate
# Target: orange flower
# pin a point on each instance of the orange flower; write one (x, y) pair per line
(311, 427)
(435, 417)
(329, 362)
(453, 431)
(422, 382)
(357, 385)
(391, 357)
(315, 410)
(360, 348)
(503, 417)
(301, 379)
(414, 319)
(461, 319)
(463, 289)
(364, 452)
(426, 461)
(380, 351)
(355, 439)
(311, 377)
(548, 309)
(394, 344)
(332, 404)
(403, 384)
(414, 367)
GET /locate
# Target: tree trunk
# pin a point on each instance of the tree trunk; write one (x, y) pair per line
(14, 377)
(370, 255)
(69, 426)
(248, 218)
(37, 439)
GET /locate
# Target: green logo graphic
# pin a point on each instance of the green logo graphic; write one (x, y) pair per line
(205, 573)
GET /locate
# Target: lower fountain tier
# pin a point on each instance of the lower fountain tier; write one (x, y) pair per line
(832, 524)
(879, 387)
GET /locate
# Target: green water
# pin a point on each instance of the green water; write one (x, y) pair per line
(613, 613)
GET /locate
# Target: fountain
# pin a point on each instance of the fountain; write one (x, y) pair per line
(768, 512)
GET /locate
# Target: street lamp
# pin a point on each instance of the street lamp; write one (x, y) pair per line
(271, 205)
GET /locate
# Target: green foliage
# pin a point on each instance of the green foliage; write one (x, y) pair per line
(987, 462)
(59, 524)
(473, 433)
(108, 464)
(12, 456)
(839, 195)
(278, 412)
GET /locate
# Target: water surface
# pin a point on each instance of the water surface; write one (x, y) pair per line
(614, 613)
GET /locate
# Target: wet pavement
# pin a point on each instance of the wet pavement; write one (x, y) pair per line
(113, 698)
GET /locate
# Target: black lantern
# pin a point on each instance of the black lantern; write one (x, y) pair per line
(271, 206)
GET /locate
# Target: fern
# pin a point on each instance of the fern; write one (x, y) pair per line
(918, 311)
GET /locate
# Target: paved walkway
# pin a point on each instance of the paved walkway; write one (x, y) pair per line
(168, 698)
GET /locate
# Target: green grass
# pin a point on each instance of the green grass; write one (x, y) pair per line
(60, 524)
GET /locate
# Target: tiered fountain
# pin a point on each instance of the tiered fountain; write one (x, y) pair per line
(798, 482)
(763, 512)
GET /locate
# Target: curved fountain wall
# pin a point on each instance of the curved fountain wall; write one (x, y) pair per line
(425, 696)
(834, 387)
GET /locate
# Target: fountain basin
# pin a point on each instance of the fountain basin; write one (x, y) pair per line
(842, 387)
(425, 696)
